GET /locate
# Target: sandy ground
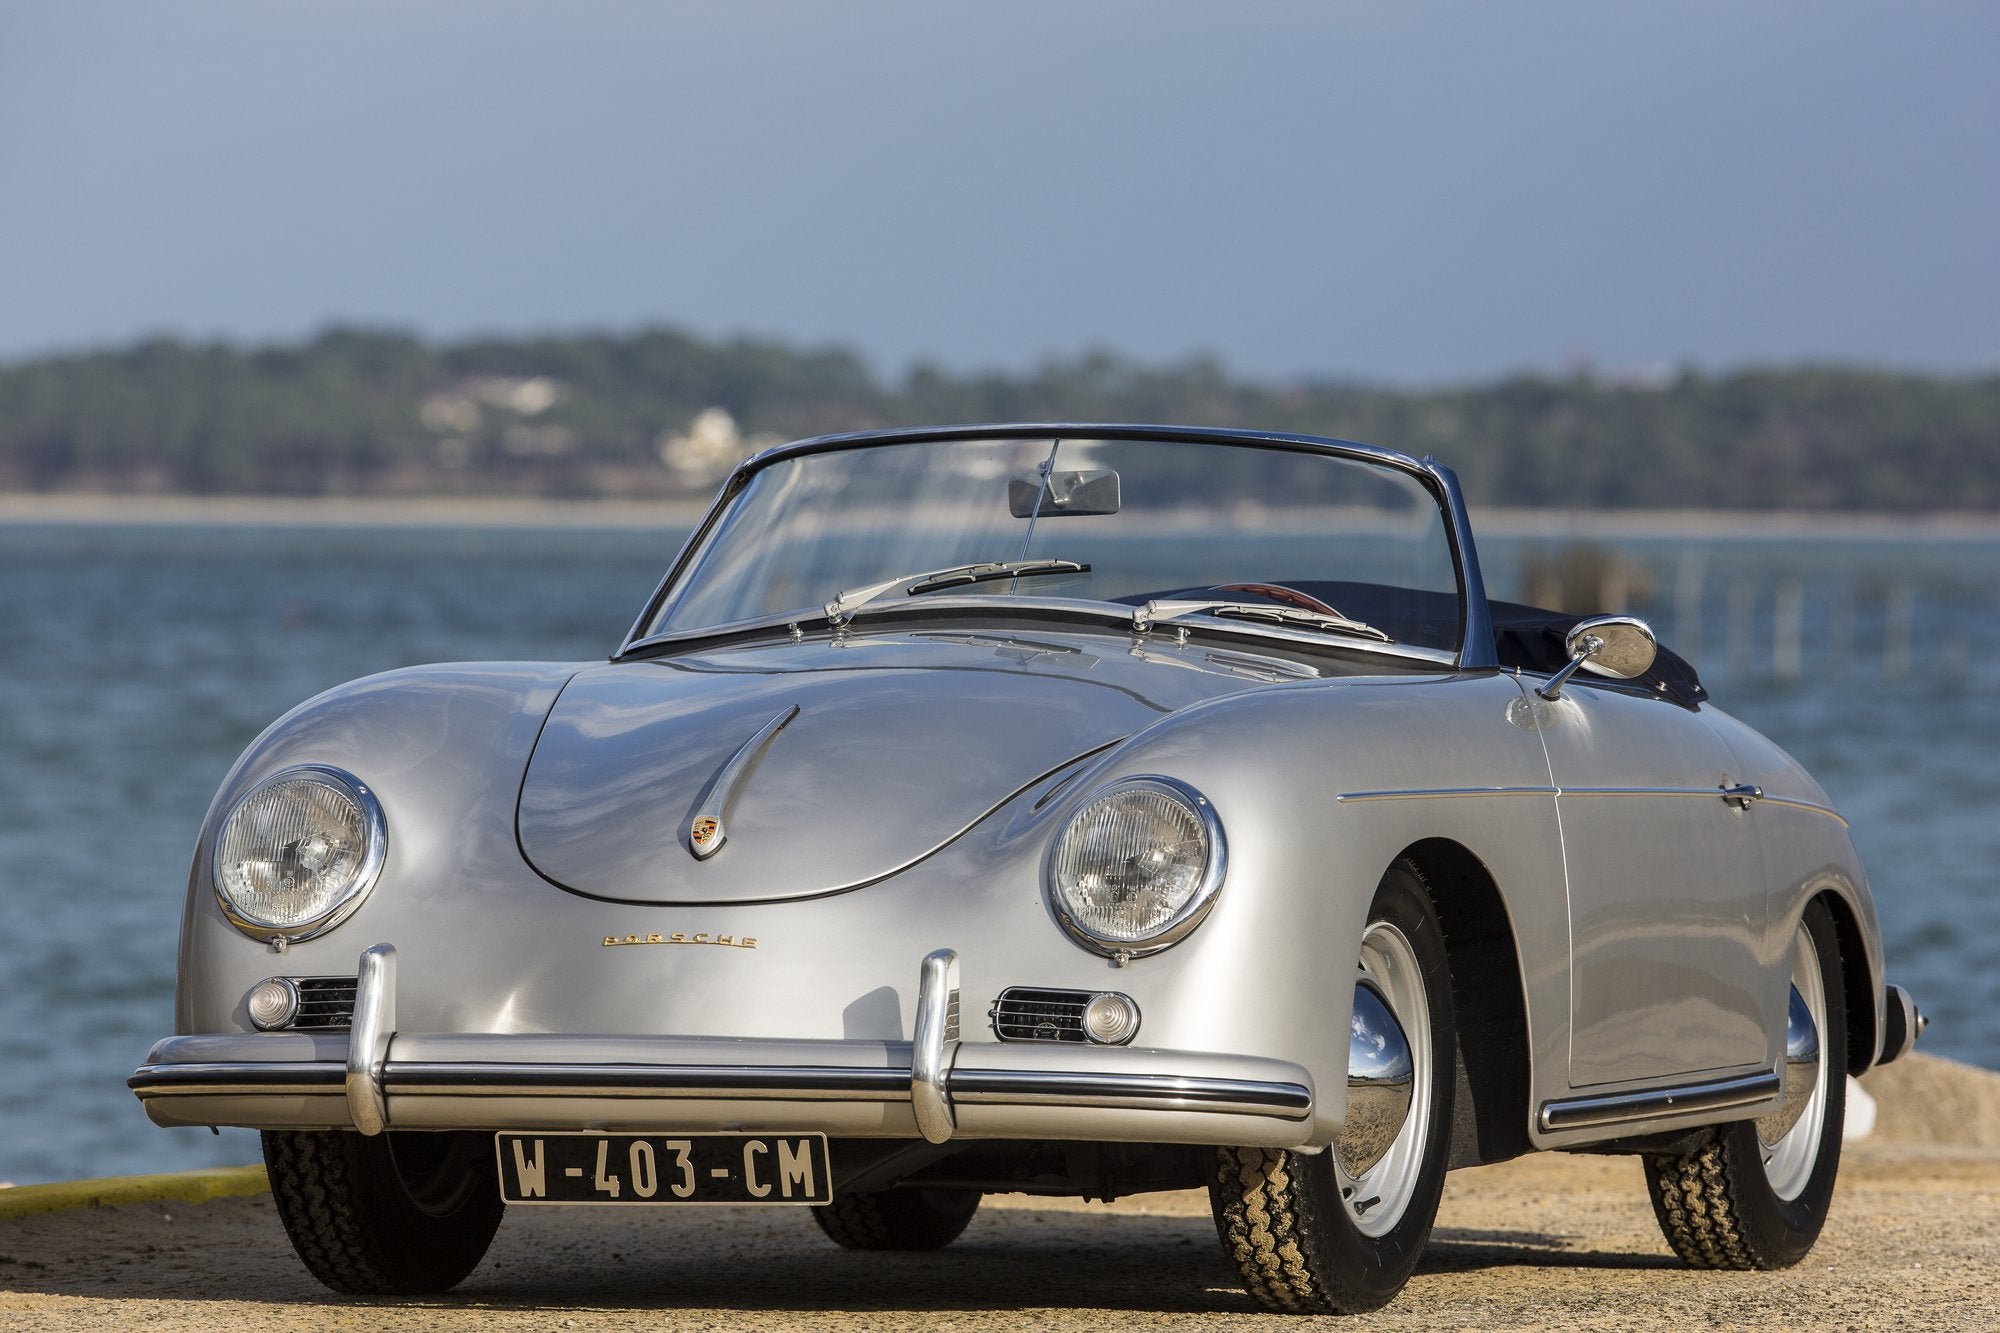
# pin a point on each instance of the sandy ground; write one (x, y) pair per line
(1554, 1241)
(1545, 1242)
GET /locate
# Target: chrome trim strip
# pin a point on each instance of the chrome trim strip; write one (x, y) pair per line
(1427, 793)
(819, 1083)
(1477, 650)
(1093, 430)
(720, 794)
(995, 1087)
(1135, 1092)
(368, 1039)
(935, 1045)
(1690, 1099)
(1807, 806)
(479, 1079)
(1709, 793)
(1731, 795)
(231, 1080)
(1706, 793)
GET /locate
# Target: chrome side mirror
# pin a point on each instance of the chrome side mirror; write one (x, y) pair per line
(1621, 647)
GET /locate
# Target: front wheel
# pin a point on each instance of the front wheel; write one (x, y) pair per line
(1339, 1231)
(1754, 1194)
(396, 1214)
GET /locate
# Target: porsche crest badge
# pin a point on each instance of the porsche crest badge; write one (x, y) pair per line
(705, 835)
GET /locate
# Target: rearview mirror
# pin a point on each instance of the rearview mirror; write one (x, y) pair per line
(1622, 647)
(1067, 493)
(1625, 646)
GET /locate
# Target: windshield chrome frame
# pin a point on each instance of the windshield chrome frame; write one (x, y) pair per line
(1476, 650)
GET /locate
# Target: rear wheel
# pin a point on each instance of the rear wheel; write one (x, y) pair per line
(397, 1214)
(1754, 1194)
(1339, 1232)
(905, 1219)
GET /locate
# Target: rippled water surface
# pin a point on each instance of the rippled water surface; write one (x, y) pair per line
(136, 662)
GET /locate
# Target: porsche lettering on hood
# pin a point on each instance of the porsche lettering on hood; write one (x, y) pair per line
(898, 745)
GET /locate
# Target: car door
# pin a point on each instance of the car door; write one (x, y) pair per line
(1666, 888)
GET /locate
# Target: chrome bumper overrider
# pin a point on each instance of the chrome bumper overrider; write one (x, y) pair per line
(935, 1086)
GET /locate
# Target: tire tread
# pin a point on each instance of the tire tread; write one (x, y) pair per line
(1694, 1200)
(353, 1225)
(1267, 1224)
(881, 1220)
(1279, 1213)
(314, 1188)
(1714, 1203)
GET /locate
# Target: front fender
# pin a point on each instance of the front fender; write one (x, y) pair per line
(443, 747)
(1319, 788)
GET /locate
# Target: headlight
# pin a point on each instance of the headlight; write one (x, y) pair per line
(1137, 867)
(299, 852)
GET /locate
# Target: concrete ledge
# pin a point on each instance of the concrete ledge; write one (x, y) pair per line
(227, 1182)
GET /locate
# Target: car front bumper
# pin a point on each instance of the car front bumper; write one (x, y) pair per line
(934, 1087)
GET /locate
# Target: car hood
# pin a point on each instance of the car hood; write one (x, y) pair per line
(899, 743)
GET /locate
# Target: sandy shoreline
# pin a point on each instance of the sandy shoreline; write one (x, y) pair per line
(17, 507)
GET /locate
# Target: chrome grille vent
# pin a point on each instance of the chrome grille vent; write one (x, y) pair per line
(325, 1002)
(1030, 1013)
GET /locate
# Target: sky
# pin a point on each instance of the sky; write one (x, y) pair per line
(1401, 192)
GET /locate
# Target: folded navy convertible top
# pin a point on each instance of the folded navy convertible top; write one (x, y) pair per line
(1531, 638)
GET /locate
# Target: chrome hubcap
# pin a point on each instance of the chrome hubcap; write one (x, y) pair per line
(1380, 1083)
(1801, 1073)
(1789, 1137)
(1379, 1154)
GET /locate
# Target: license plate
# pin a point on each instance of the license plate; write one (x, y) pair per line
(735, 1169)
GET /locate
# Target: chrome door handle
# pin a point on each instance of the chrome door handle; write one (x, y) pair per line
(1743, 795)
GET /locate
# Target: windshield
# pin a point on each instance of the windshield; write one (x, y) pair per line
(1149, 519)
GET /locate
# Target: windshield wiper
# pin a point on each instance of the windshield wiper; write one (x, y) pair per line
(1159, 612)
(842, 608)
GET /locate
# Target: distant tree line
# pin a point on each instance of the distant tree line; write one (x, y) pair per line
(660, 412)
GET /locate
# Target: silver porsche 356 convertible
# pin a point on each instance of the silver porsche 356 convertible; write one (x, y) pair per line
(1068, 810)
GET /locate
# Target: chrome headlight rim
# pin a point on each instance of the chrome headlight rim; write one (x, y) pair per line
(370, 870)
(1192, 912)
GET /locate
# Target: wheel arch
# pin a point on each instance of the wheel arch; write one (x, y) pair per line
(1490, 1111)
(1856, 980)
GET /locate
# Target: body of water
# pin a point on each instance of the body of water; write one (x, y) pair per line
(137, 661)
